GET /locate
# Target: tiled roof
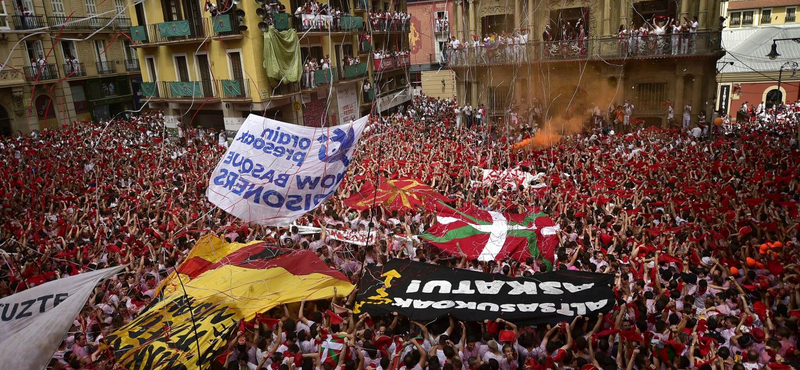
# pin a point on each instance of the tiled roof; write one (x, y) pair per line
(755, 4)
(747, 48)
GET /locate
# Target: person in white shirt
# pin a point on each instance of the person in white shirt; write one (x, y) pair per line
(687, 115)
(670, 113)
(468, 114)
(626, 120)
(693, 35)
(676, 35)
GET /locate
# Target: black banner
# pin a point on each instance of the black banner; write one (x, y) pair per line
(425, 292)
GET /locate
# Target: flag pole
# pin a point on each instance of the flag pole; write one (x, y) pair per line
(191, 314)
(371, 223)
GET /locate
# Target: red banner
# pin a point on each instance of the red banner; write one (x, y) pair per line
(383, 63)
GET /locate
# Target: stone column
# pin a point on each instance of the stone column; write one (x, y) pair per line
(702, 18)
(457, 25)
(473, 18)
(625, 13)
(474, 94)
(460, 93)
(698, 100)
(517, 14)
(678, 98)
(684, 13)
(530, 18)
(607, 27)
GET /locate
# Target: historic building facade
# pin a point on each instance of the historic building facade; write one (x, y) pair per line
(63, 61)
(596, 53)
(205, 64)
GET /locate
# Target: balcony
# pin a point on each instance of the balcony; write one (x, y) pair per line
(234, 89)
(177, 32)
(132, 65)
(384, 64)
(74, 69)
(57, 22)
(282, 21)
(388, 63)
(361, 5)
(355, 71)
(390, 99)
(284, 89)
(41, 73)
(442, 29)
(224, 25)
(790, 17)
(367, 96)
(106, 67)
(28, 22)
(187, 89)
(610, 48)
(390, 27)
(327, 23)
(148, 89)
(318, 78)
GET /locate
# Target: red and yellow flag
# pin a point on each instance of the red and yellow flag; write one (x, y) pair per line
(394, 195)
(225, 282)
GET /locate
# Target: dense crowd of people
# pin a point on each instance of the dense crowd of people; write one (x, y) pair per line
(700, 233)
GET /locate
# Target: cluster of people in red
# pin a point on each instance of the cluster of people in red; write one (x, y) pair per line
(701, 234)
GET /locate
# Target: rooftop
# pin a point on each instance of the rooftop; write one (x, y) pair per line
(748, 47)
(755, 4)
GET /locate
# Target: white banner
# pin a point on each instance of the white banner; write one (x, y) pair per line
(274, 172)
(506, 178)
(34, 321)
(347, 236)
(347, 98)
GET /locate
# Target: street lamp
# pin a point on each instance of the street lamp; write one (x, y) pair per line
(791, 64)
(773, 52)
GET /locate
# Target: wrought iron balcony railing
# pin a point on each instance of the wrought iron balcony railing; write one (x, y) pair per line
(701, 43)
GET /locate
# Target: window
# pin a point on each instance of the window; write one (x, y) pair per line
(747, 18)
(68, 49)
(151, 69)
(766, 16)
(650, 95)
(498, 99)
(44, 108)
(91, 13)
(79, 99)
(235, 59)
(3, 15)
(347, 49)
(119, 5)
(736, 19)
(774, 97)
(58, 7)
(140, 18)
(34, 49)
(441, 23)
(130, 52)
(100, 50)
(790, 14)
(171, 10)
(311, 52)
(181, 68)
(28, 5)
